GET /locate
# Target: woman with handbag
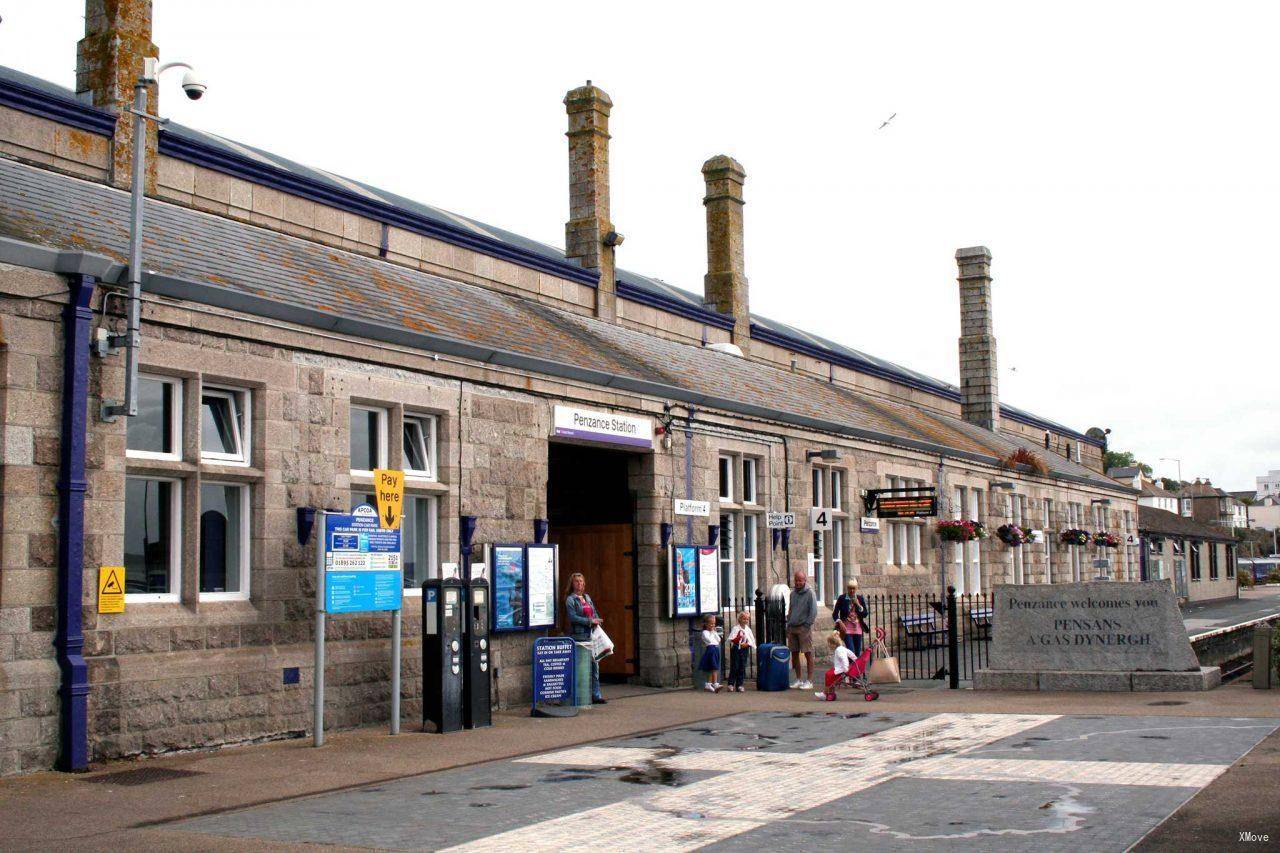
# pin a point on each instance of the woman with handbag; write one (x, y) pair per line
(850, 612)
(583, 617)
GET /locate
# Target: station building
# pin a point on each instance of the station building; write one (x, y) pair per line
(300, 329)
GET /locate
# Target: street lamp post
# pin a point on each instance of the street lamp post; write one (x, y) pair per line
(1179, 461)
(131, 340)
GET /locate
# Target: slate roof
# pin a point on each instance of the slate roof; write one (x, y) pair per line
(1152, 490)
(177, 140)
(1165, 523)
(214, 258)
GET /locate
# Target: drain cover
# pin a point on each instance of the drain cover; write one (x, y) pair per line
(1166, 703)
(141, 776)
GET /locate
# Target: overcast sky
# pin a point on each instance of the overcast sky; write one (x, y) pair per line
(1120, 160)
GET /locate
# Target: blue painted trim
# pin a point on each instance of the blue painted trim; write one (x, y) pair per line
(769, 336)
(72, 483)
(674, 306)
(211, 157)
(30, 100)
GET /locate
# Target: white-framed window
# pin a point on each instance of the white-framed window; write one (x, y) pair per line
(750, 558)
(1047, 533)
(817, 565)
(152, 538)
(837, 490)
(224, 541)
(156, 431)
(419, 446)
(368, 439)
(225, 425)
(728, 565)
(748, 480)
(419, 537)
(1186, 506)
(726, 479)
(1075, 514)
(837, 557)
(1018, 514)
(818, 491)
(903, 537)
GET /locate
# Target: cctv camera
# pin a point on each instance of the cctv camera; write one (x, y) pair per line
(192, 85)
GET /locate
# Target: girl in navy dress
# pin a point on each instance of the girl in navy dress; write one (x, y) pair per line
(710, 663)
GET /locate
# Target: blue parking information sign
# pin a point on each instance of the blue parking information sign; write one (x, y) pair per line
(362, 569)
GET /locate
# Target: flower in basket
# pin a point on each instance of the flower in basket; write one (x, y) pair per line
(1013, 535)
(1074, 536)
(955, 531)
(1104, 539)
(980, 530)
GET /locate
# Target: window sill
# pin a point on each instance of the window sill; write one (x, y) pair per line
(151, 456)
(430, 487)
(221, 597)
(136, 465)
(150, 598)
(231, 471)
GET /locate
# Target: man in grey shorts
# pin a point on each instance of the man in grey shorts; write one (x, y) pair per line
(802, 611)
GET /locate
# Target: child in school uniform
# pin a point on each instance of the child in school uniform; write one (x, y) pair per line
(741, 643)
(710, 663)
(841, 660)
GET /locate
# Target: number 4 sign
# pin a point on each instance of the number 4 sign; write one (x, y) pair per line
(820, 518)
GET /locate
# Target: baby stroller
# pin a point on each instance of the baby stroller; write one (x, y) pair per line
(856, 677)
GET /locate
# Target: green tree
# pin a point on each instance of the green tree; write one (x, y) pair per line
(1170, 484)
(1125, 459)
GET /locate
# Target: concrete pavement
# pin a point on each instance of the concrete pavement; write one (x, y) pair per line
(103, 810)
(1255, 603)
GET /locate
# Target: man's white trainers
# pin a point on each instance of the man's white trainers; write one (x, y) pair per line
(806, 685)
(797, 684)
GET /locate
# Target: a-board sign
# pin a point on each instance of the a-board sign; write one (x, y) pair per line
(907, 506)
(553, 681)
(510, 588)
(388, 488)
(869, 525)
(540, 563)
(780, 520)
(695, 580)
(700, 509)
(111, 589)
(362, 569)
(820, 518)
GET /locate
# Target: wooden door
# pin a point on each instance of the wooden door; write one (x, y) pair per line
(603, 554)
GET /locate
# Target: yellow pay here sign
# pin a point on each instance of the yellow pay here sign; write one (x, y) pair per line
(111, 589)
(388, 487)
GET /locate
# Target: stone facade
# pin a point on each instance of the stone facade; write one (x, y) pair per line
(978, 377)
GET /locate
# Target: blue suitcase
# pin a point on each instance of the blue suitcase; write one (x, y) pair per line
(773, 667)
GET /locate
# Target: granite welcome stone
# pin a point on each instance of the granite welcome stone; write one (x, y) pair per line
(1106, 626)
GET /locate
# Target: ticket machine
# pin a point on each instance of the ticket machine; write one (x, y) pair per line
(444, 611)
(476, 706)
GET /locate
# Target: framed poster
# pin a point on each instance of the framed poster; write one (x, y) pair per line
(684, 580)
(540, 563)
(708, 580)
(510, 588)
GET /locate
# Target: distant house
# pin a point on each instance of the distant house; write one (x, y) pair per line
(1153, 494)
(1264, 514)
(1198, 559)
(1208, 504)
(1269, 484)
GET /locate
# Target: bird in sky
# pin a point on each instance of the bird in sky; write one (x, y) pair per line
(885, 123)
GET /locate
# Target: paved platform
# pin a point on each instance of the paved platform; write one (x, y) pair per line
(1254, 603)
(854, 778)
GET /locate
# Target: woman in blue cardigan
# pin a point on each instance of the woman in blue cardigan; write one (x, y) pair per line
(583, 616)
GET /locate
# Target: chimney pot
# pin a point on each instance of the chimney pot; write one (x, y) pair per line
(109, 61)
(725, 284)
(587, 232)
(979, 397)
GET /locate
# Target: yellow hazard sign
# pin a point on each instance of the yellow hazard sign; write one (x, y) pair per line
(111, 589)
(388, 486)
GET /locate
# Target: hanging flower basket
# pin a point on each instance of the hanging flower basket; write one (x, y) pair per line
(1075, 536)
(1013, 535)
(1106, 540)
(961, 531)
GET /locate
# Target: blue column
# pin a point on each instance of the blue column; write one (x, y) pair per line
(74, 690)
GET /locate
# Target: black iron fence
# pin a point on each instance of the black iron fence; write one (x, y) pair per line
(932, 636)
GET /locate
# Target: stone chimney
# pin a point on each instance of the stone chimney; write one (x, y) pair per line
(117, 38)
(979, 399)
(589, 225)
(725, 285)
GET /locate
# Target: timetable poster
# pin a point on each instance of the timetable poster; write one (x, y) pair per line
(508, 588)
(709, 580)
(542, 585)
(684, 580)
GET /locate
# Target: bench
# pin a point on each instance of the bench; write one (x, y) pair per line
(922, 631)
(980, 619)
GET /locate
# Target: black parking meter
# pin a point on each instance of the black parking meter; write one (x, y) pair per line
(443, 612)
(476, 709)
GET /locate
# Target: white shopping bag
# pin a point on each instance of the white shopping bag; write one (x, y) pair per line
(601, 645)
